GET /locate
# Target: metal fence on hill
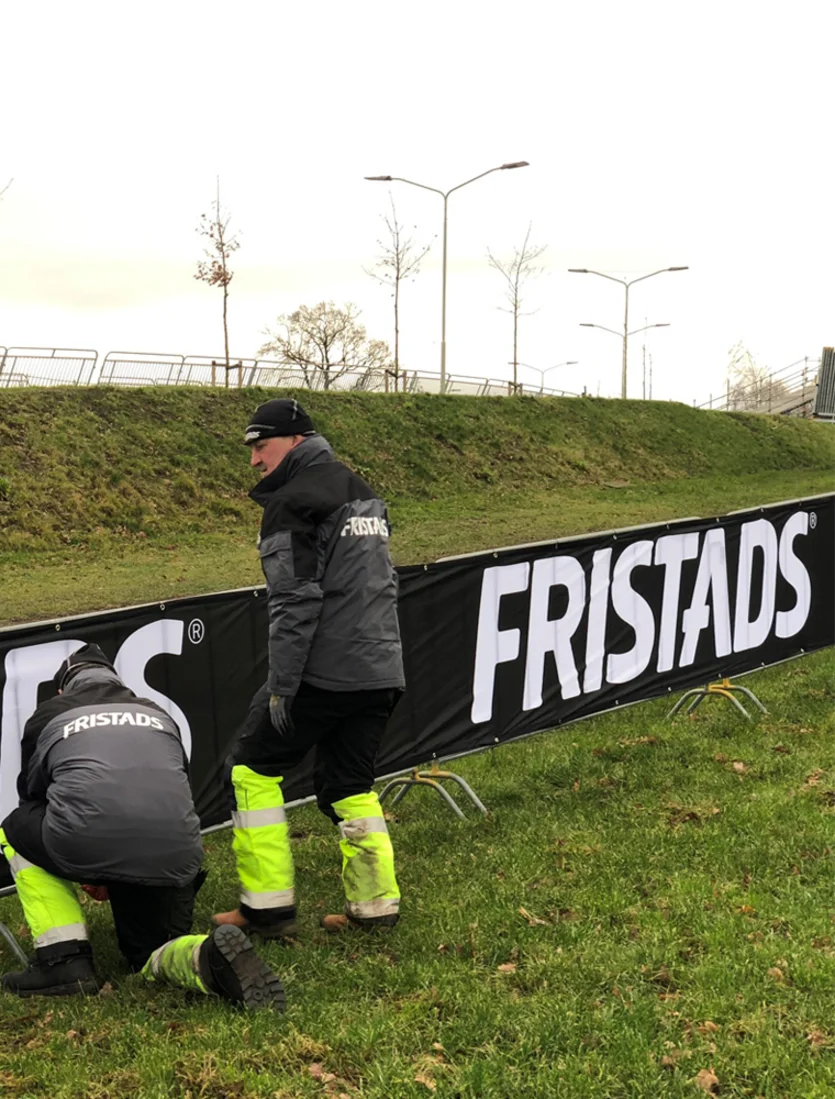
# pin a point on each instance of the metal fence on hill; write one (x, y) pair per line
(38, 366)
(789, 391)
(803, 388)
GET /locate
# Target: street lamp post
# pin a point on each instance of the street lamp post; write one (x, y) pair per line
(626, 333)
(445, 196)
(547, 370)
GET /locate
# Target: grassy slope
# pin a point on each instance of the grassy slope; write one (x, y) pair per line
(74, 462)
(109, 572)
(110, 497)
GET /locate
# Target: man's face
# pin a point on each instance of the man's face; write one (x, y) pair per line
(268, 454)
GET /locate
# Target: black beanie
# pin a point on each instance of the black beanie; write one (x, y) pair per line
(83, 657)
(282, 416)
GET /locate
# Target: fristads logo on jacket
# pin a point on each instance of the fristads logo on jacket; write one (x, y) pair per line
(363, 526)
(112, 718)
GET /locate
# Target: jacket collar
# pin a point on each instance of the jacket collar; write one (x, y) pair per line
(311, 452)
(96, 678)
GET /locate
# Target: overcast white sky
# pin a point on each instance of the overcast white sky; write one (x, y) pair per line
(658, 134)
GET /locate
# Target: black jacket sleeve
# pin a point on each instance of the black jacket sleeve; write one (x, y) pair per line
(31, 732)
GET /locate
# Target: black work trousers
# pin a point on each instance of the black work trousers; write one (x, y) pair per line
(345, 727)
(145, 916)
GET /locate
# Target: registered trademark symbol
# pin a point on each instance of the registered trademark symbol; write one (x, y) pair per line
(196, 631)
(813, 519)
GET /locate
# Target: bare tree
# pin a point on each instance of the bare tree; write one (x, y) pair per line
(751, 387)
(516, 272)
(325, 343)
(399, 259)
(214, 268)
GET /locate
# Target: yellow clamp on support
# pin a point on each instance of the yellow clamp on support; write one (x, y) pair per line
(431, 778)
(724, 688)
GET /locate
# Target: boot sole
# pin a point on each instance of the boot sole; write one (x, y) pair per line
(78, 988)
(260, 987)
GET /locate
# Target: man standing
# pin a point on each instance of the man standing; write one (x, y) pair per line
(105, 800)
(335, 674)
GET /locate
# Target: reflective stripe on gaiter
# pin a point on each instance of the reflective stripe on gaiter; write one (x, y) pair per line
(258, 818)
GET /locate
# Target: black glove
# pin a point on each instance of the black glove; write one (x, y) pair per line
(280, 712)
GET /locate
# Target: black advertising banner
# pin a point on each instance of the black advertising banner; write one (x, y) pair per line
(497, 645)
(504, 644)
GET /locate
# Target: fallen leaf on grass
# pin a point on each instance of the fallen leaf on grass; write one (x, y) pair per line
(814, 778)
(533, 921)
(671, 1059)
(708, 1081)
(664, 978)
(638, 741)
(720, 757)
(776, 973)
(317, 1071)
(782, 749)
(817, 1039)
(427, 1081)
(707, 1027)
(746, 910)
(738, 766)
(677, 814)
(507, 967)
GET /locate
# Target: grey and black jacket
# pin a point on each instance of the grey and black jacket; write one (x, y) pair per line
(112, 772)
(331, 586)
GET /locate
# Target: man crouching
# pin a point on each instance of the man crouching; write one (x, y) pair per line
(105, 800)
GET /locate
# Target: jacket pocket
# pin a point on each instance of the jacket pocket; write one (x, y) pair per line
(276, 553)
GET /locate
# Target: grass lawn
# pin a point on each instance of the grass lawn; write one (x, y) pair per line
(646, 902)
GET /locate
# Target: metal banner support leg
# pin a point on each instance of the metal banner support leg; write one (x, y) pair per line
(13, 943)
(724, 688)
(432, 779)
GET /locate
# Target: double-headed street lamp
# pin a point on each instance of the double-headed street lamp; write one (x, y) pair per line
(445, 196)
(547, 370)
(626, 333)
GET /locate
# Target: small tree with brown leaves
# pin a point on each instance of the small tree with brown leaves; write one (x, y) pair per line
(400, 258)
(325, 343)
(516, 272)
(214, 269)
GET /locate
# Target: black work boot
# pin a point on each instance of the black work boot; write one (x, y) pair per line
(229, 967)
(65, 969)
(273, 923)
(338, 924)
